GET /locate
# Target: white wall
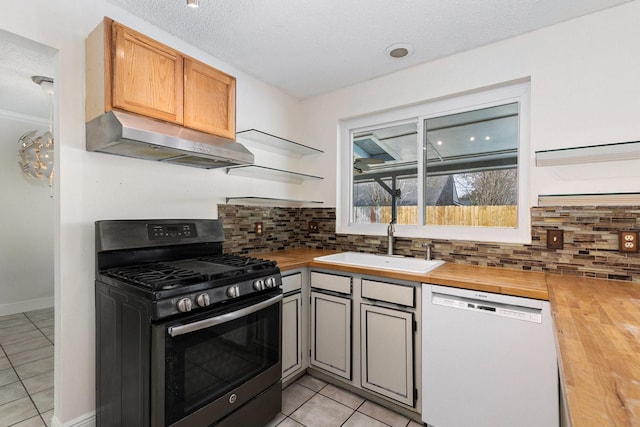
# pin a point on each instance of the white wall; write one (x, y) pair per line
(93, 186)
(26, 225)
(584, 90)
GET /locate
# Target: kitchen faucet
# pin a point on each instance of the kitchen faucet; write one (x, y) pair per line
(427, 255)
(390, 230)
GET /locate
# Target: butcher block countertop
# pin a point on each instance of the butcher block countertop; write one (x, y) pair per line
(497, 280)
(597, 325)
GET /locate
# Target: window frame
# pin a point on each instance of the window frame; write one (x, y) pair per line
(519, 92)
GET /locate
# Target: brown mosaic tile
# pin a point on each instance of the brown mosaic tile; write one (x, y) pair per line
(590, 239)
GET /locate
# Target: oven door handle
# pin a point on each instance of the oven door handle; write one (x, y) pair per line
(224, 318)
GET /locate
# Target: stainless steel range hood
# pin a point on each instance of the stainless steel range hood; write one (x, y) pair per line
(130, 135)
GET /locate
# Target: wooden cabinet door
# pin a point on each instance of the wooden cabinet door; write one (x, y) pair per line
(331, 333)
(147, 76)
(209, 99)
(386, 338)
(291, 334)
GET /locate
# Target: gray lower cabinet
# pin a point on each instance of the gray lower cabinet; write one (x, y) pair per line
(291, 334)
(386, 337)
(295, 323)
(365, 333)
(331, 333)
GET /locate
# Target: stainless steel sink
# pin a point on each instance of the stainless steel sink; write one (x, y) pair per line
(382, 262)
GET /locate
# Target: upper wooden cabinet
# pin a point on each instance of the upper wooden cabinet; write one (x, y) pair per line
(128, 71)
(209, 99)
(147, 76)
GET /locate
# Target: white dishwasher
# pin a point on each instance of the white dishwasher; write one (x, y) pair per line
(488, 360)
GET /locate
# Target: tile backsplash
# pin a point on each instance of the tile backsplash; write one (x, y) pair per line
(590, 239)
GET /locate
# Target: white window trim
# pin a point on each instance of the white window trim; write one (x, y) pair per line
(418, 113)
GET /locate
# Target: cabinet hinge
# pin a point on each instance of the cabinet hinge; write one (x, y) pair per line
(415, 326)
(415, 395)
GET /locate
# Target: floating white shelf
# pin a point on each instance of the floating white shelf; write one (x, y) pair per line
(605, 199)
(269, 201)
(589, 154)
(259, 139)
(272, 174)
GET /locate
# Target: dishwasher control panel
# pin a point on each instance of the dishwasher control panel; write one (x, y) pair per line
(502, 310)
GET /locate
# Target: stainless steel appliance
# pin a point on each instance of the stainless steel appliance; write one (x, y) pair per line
(185, 335)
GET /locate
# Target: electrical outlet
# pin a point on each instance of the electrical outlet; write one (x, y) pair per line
(258, 227)
(555, 239)
(314, 227)
(628, 241)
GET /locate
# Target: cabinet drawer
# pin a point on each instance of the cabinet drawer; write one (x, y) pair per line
(388, 292)
(291, 283)
(331, 282)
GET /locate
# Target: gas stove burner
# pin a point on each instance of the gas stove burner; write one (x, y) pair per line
(157, 275)
(173, 274)
(253, 264)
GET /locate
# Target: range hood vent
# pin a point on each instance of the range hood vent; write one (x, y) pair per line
(130, 135)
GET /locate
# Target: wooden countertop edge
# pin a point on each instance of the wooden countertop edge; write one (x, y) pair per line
(491, 279)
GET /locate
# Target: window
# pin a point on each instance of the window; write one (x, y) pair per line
(471, 163)
(454, 169)
(385, 178)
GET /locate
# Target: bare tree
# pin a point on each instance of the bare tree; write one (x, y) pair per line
(376, 195)
(488, 188)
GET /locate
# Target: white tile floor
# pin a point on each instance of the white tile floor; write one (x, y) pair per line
(26, 385)
(312, 402)
(26, 369)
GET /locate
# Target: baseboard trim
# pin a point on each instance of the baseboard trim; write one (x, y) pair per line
(86, 420)
(29, 305)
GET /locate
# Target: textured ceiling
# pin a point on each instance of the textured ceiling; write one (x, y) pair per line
(309, 47)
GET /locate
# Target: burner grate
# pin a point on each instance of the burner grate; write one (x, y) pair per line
(172, 274)
(248, 264)
(157, 275)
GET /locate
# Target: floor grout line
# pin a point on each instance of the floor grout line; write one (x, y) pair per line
(13, 367)
(353, 411)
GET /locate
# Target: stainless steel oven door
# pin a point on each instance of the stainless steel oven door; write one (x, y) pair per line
(208, 365)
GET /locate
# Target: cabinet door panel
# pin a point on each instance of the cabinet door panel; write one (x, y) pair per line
(209, 99)
(387, 352)
(291, 334)
(147, 76)
(331, 333)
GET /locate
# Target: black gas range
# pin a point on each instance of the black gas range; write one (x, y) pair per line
(185, 334)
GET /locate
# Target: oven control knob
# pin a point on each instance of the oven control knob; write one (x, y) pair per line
(233, 291)
(270, 282)
(184, 305)
(258, 285)
(203, 300)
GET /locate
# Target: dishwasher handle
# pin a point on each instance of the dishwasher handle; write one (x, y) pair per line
(456, 302)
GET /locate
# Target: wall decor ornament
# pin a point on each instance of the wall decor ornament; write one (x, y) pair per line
(35, 153)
